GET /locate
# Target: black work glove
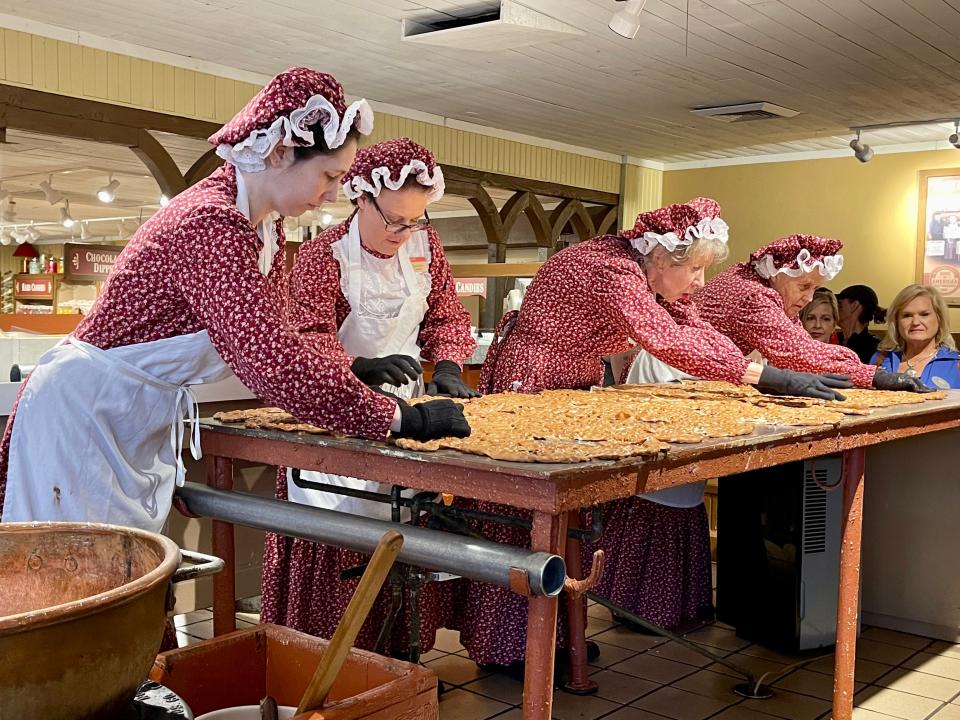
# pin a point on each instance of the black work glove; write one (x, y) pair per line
(787, 382)
(431, 420)
(393, 369)
(884, 380)
(448, 380)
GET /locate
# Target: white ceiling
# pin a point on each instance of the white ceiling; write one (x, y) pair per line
(841, 63)
(78, 168)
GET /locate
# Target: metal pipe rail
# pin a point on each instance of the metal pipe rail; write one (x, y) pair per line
(521, 570)
(420, 501)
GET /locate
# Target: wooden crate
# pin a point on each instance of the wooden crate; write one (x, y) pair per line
(242, 667)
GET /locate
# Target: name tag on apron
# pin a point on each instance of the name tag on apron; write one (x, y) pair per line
(419, 264)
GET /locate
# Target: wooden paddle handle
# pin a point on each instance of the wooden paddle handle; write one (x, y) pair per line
(353, 618)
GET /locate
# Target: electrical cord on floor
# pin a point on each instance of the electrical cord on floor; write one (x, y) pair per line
(781, 673)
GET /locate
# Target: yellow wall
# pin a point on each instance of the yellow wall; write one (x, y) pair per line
(69, 69)
(642, 191)
(871, 207)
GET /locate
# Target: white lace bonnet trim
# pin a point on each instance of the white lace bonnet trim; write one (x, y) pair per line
(707, 229)
(249, 155)
(357, 185)
(830, 266)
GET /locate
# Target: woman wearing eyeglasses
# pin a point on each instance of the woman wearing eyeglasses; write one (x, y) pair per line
(376, 288)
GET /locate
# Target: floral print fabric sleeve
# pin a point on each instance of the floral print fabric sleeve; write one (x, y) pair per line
(317, 306)
(760, 322)
(445, 330)
(697, 350)
(214, 258)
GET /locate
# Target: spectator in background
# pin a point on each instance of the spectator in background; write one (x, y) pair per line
(918, 340)
(820, 317)
(859, 306)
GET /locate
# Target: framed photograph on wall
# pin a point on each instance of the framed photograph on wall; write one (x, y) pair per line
(938, 232)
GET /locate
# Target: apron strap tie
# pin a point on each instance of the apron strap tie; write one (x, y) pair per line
(191, 415)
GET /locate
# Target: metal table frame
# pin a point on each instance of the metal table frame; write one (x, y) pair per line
(553, 491)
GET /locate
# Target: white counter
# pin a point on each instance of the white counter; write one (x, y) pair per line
(911, 538)
(223, 391)
(480, 354)
(18, 348)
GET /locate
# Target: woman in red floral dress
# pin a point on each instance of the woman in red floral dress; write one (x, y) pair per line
(377, 289)
(757, 305)
(198, 292)
(595, 299)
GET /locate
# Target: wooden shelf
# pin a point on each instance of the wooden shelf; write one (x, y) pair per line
(490, 270)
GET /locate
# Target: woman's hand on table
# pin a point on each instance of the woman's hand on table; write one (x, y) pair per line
(884, 380)
(431, 420)
(392, 369)
(788, 382)
(448, 380)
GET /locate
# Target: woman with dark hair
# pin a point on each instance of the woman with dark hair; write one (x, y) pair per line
(198, 292)
(859, 306)
(377, 289)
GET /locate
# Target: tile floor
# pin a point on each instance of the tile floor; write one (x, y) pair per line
(899, 676)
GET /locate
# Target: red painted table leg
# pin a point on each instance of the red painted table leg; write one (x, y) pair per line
(220, 476)
(849, 594)
(579, 681)
(545, 536)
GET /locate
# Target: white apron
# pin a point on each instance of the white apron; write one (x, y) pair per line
(388, 301)
(98, 433)
(648, 369)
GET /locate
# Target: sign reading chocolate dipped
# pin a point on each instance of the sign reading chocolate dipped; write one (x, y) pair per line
(89, 262)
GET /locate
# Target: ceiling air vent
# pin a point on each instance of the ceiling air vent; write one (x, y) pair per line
(745, 111)
(503, 26)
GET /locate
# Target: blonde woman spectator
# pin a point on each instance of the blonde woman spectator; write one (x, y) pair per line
(820, 316)
(918, 340)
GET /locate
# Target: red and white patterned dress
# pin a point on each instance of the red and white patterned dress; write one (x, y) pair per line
(745, 308)
(301, 580)
(193, 266)
(318, 306)
(589, 301)
(586, 302)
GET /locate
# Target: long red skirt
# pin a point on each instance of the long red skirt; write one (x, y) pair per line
(302, 589)
(657, 560)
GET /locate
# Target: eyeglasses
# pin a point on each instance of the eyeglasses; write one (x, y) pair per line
(396, 228)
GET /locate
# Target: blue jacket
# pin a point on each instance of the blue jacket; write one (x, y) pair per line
(942, 372)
